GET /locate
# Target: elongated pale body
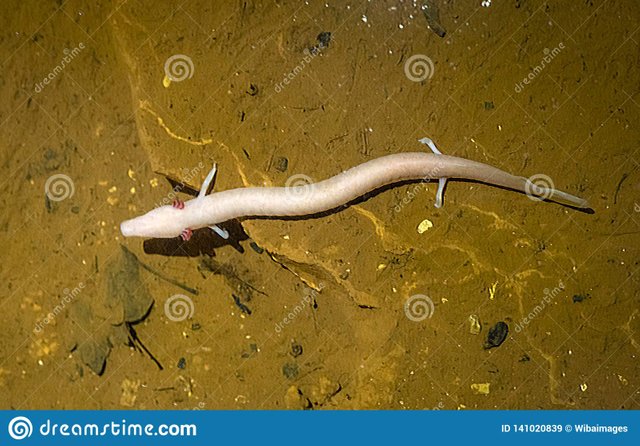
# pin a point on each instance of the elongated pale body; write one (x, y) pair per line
(309, 199)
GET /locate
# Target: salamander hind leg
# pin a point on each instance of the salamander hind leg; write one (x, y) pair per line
(206, 184)
(221, 232)
(442, 182)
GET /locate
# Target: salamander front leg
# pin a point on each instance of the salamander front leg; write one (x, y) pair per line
(178, 204)
(442, 182)
(186, 234)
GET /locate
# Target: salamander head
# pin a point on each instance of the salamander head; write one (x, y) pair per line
(161, 222)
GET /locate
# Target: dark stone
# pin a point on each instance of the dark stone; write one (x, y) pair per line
(296, 349)
(323, 39)
(127, 295)
(282, 164)
(580, 297)
(182, 363)
(239, 304)
(323, 42)
(497, 335)
(290, 370)
(252, 90)
(256, 248)
(48, 205)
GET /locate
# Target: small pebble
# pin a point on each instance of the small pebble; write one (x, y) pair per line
(296, 349)
(196, 326)
(282, 164)
(182, 363)
(497, 335)
(256, 248)
(324, 38)
(474, 324)
(252, 90)
(239, 304)
(480, 388)
(580, 297)
(290, 370)
(424, 226)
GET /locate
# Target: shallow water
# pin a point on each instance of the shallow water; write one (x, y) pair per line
(317, 313)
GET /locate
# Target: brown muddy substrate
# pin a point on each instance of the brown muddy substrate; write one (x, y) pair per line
(312, 314)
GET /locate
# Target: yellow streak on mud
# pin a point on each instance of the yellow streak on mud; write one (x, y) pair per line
(144, 106)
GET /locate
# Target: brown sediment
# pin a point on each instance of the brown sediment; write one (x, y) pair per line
(488, 252)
